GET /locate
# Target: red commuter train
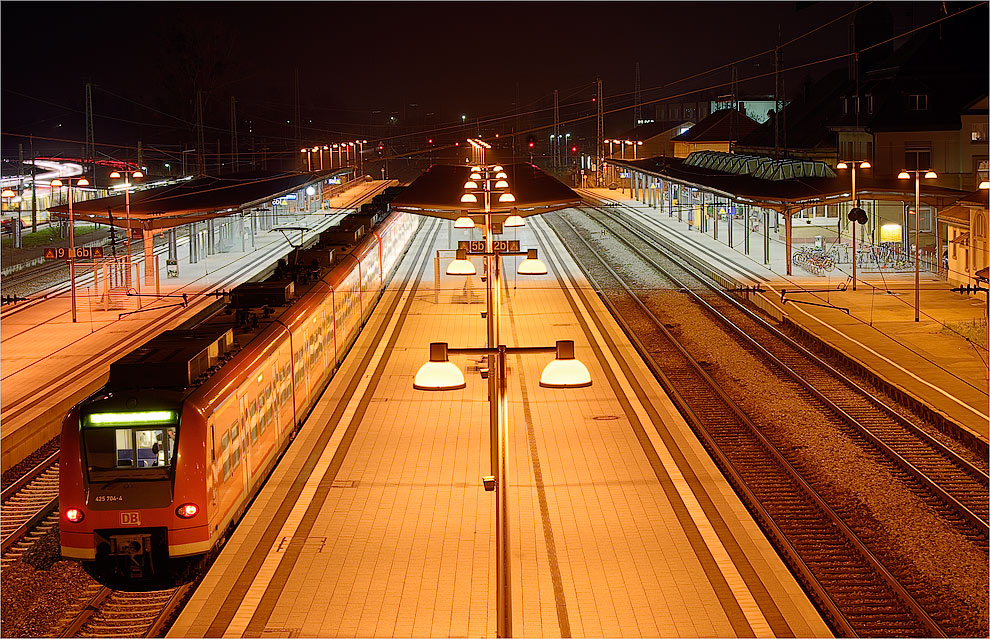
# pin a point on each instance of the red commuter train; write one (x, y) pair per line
(162, 461)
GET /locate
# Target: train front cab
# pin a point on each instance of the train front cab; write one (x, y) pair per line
(128, 499)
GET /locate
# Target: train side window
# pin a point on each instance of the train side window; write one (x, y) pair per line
(269, 407)
(254, 421)
(235, 450)
(224, 442)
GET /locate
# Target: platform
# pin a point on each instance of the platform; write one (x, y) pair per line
(49, 363)
(376, 523)
(924, 359)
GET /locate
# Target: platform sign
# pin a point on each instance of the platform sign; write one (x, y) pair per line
(82, 252)
(475, 247)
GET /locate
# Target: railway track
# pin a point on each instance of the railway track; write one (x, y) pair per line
(833, 546)
(23, 403)
(959, 480)
(28, 509)
(104, 612)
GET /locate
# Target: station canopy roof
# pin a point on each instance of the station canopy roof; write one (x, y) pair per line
(192, 200)
(776, 184)
(438, 191)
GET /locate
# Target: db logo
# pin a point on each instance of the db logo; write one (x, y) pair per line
(130, 519)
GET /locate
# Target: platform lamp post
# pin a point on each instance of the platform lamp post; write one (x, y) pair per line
(439, 374)
(319, 149)
(128, 174)
(57, 183)
(360, 144)
(9, 195)
(309, 158)
(856, 214)
(985, 186)
(906, 175)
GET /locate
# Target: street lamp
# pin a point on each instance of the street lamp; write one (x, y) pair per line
(856, 214)
(127, 210)
(319, 150)
(636, 145)
(464, 222)
(436, 375)
(906, 175)
(309, 159)
(360, 144)
(11, 196)
(57, 183)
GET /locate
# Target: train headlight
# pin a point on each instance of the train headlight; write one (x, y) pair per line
(74, 515)
(187, 511)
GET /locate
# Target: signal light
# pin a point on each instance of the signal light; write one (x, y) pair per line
(574, 148)
(187, 511)
(74, 515)
(430, 141)
(531, 144)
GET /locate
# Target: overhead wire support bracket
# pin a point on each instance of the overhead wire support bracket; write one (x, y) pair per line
(841, 287)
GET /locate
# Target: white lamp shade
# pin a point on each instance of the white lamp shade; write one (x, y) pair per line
(841, 165)
(865, 165)
(497, 167)
(7, 193)
(469, 198)
(501, 184)
(514, 220)
(501, 176)
(470, 184)
(565, 371)
(532, 265)
(461, 265)
(903, 175)
(464, 222)
(114, 175)
(507, 197)
(476, 176)
(438, 374)
(931, 175)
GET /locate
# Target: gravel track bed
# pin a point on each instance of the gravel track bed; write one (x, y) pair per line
(946, 570)
(38, 588)
(21, 468)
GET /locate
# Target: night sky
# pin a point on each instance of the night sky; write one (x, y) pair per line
(359, 64)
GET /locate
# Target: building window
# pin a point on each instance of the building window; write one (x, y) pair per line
(981, 166)
(918, 102)
(979, 132)
(917, 158)
(869, 103)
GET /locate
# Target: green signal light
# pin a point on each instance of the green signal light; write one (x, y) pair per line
(129, 419)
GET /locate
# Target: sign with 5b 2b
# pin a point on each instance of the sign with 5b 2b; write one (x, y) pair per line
(475, 247)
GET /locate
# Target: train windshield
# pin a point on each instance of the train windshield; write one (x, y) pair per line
(140, 445)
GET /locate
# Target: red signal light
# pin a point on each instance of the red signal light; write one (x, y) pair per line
(531, 144)
(74, 515)
(430, 141)
(574, 149)
(187, 511)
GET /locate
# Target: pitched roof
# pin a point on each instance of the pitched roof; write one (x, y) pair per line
(647, 131)
(723, 125)
(438, 192)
